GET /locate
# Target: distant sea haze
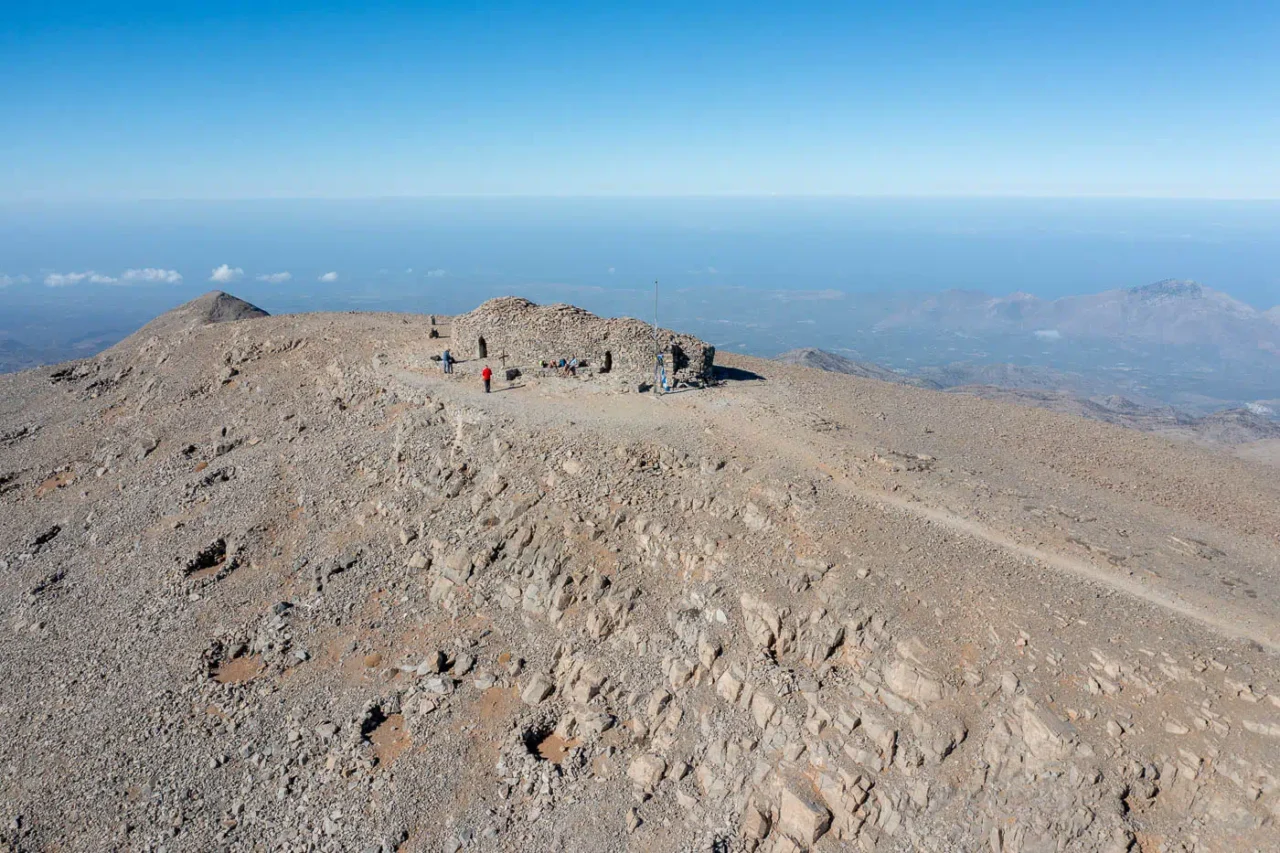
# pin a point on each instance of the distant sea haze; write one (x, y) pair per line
(1049, 248)
(755, 275)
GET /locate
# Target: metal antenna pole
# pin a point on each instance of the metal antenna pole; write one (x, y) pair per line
(657, 353)
(655, 316)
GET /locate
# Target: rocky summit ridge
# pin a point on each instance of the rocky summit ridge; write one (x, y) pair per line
(278, 583)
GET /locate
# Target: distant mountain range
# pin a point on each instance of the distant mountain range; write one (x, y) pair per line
(1061, 392)
(1172, 312)
(944, 377)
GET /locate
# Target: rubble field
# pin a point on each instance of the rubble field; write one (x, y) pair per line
(280, 584)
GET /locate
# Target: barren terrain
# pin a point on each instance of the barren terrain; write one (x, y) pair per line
(281, 584)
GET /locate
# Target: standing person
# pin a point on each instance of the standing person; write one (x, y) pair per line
(447, 361)
(487, 376)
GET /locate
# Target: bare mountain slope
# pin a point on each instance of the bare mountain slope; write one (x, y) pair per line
(336, 600)
(214, 307)
(1012, 376)
(829, 361)
(1228, 427)
(1059, 392)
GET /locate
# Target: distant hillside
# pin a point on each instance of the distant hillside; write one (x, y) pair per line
(15, 355)
(1167, 312)
(1233, 426)
(832, 363)
(213, 307)
(1029, 378)
(1060, 392)
(946, 376)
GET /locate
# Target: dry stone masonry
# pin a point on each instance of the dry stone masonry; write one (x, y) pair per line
(530, 334)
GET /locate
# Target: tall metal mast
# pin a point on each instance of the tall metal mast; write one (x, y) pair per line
(657, 351)
(655, 318)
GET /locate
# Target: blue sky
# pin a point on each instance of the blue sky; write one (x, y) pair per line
(271, 99)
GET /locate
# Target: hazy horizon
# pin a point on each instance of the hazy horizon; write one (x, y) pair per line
(1048, 247)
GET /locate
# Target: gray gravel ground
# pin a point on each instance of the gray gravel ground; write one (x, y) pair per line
(276, 583)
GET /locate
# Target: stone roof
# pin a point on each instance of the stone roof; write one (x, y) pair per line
(529, 332)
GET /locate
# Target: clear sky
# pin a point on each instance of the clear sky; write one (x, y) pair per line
(271, 99)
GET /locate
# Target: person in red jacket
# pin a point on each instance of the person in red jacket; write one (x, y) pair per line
(487, 376)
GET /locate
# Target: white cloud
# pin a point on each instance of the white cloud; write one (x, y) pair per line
(435, 273)
(329, 277)
(6, 280)
(611, 270)
(275, 277)
(58, 279)
(65, 279)
(153, 274)
(226, 273)
(1048, 334)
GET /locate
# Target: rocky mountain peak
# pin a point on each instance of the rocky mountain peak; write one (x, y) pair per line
(219, 307)
(209, 309)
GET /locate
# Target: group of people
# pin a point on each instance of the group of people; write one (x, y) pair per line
(566, 367)
(447, 362)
